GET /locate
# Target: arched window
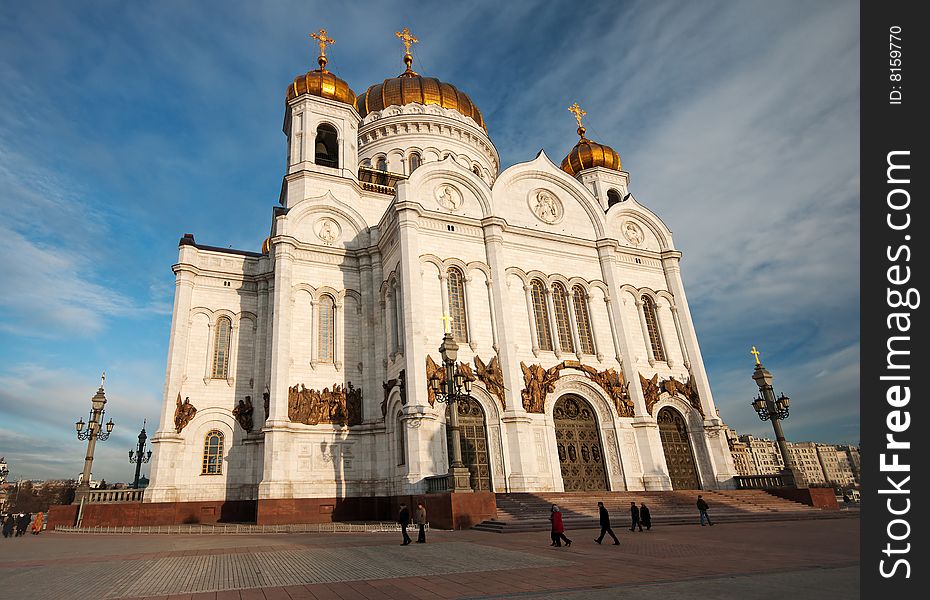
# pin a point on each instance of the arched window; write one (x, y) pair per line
(327, 146)
(541, 316)
(456, 287)
(213, 453)
(326, 329)
(221, 348)
(562, 320)
(414, 161)
(401, 446)
(652, 324)
(613, 197)
(381, 164)
(476, 170)
(585, 337)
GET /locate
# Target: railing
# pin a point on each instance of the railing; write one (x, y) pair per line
(378, 189)
(439, 483)
(758, 482)
(242, 528)
(113, 496)
(376, 180)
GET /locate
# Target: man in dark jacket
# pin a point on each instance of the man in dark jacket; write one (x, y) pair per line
(404, 520)
(702, 507)
(605, 525)
(644, 517)
(634, 514)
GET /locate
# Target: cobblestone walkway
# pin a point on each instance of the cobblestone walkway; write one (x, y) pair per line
(214, 572)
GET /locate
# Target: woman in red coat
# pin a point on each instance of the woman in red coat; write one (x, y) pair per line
(558, 529)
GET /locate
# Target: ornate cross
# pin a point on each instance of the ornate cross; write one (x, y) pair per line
(406, 38)
(103, 378)
(446, 322)
(755, 353)
(577, 111)
(323, 40)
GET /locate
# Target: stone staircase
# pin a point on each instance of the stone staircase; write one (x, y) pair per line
(530, 512)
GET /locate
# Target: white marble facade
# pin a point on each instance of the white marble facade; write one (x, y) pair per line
(381, 260)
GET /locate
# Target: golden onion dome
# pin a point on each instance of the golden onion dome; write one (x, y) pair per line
(587, 154)
(320, 82)
(410, 87)
(266, 245)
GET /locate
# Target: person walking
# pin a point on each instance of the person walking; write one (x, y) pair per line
(404, 520)
(38, 523)
(558, 528)
(702, 507)
(605, 525)
(8, 526)
(634, 517)
(22, 524)
(644, 517)
(420, 519)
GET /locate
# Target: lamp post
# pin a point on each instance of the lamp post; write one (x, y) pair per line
(93, 432)
(455, 387)
(139, 456)
(770, 408)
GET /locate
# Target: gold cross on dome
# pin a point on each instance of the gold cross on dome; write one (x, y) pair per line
(755, 353)
(577, 111)
(323, 40)
(406, 38)
(446, 322)
(103, 378)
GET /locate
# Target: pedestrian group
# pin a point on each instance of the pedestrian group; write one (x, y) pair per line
(17, 525)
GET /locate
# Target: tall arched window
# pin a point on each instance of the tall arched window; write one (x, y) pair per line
(541, 316)
(326, 329)
(585, 337)
(327, 146)
(562, 321)
(613, 197)
(476, 170)
(381, 164)
(652, 324)
(456, 287)
(213, 453)
(414, 161)
(221, 348)
(401, 445)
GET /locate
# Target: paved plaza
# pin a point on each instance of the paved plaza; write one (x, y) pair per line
(751, 561)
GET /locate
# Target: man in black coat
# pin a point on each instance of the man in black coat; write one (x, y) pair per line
(634, 514)
(404, 520)
(702, 508)
(605, 525)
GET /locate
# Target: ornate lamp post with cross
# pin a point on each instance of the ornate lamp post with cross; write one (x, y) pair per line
(140, 456)
(770, 408)
(455, 387)
(92, 433)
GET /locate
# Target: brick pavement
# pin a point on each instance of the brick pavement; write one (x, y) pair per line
(462, 564)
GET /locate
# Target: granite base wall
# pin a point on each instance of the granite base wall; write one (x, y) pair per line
(817, 497)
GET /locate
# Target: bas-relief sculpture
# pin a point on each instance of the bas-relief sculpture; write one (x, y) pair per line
(341, 406)
(400, 381)
(653, 388)
(434, 369)
(183, 413)
(539, 382)
(243, 413)
(492, 377)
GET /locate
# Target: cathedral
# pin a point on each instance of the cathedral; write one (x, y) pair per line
(303, 370)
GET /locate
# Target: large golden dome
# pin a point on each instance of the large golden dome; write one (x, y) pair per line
(587, 154)
(410, 87)
(320, 82)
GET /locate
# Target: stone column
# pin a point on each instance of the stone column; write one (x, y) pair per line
(573, 324)
(314, 330)
(553, 323)
(339, 345)
(681, 339)
(534, 336)
(650, 351)
(261, 332)
(469, 313)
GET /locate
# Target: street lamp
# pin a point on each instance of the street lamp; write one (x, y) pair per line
(455, 387)
(93, 432)
(139, 456)
(770, 408)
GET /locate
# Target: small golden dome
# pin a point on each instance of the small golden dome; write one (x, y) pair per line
(587, 154)
(266, 245)
(320, 82)
(409, 87)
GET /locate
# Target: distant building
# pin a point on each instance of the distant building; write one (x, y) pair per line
(3, 469)
(806, 458)
(742, 458)
(765, 455)
(822, 464)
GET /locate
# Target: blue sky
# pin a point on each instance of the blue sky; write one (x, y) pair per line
(124, 125)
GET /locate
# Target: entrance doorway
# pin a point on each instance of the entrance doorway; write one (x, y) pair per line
(474, 443)
(677, 447)
(581, 455)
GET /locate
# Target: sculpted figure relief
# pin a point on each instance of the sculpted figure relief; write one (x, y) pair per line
(266, 398)
(492, 377)
(243, 413)
(339, 406)
(651, 391)
(183, 413)
(433, 368)
(538, 383)
(652, 388)
(389, 385)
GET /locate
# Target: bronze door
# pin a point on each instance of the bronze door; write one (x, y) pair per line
(677, 447)
(581, 455)
(474, 444)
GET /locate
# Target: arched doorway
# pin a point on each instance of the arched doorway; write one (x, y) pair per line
(474, 443)
(677, 447)
(581, 455)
